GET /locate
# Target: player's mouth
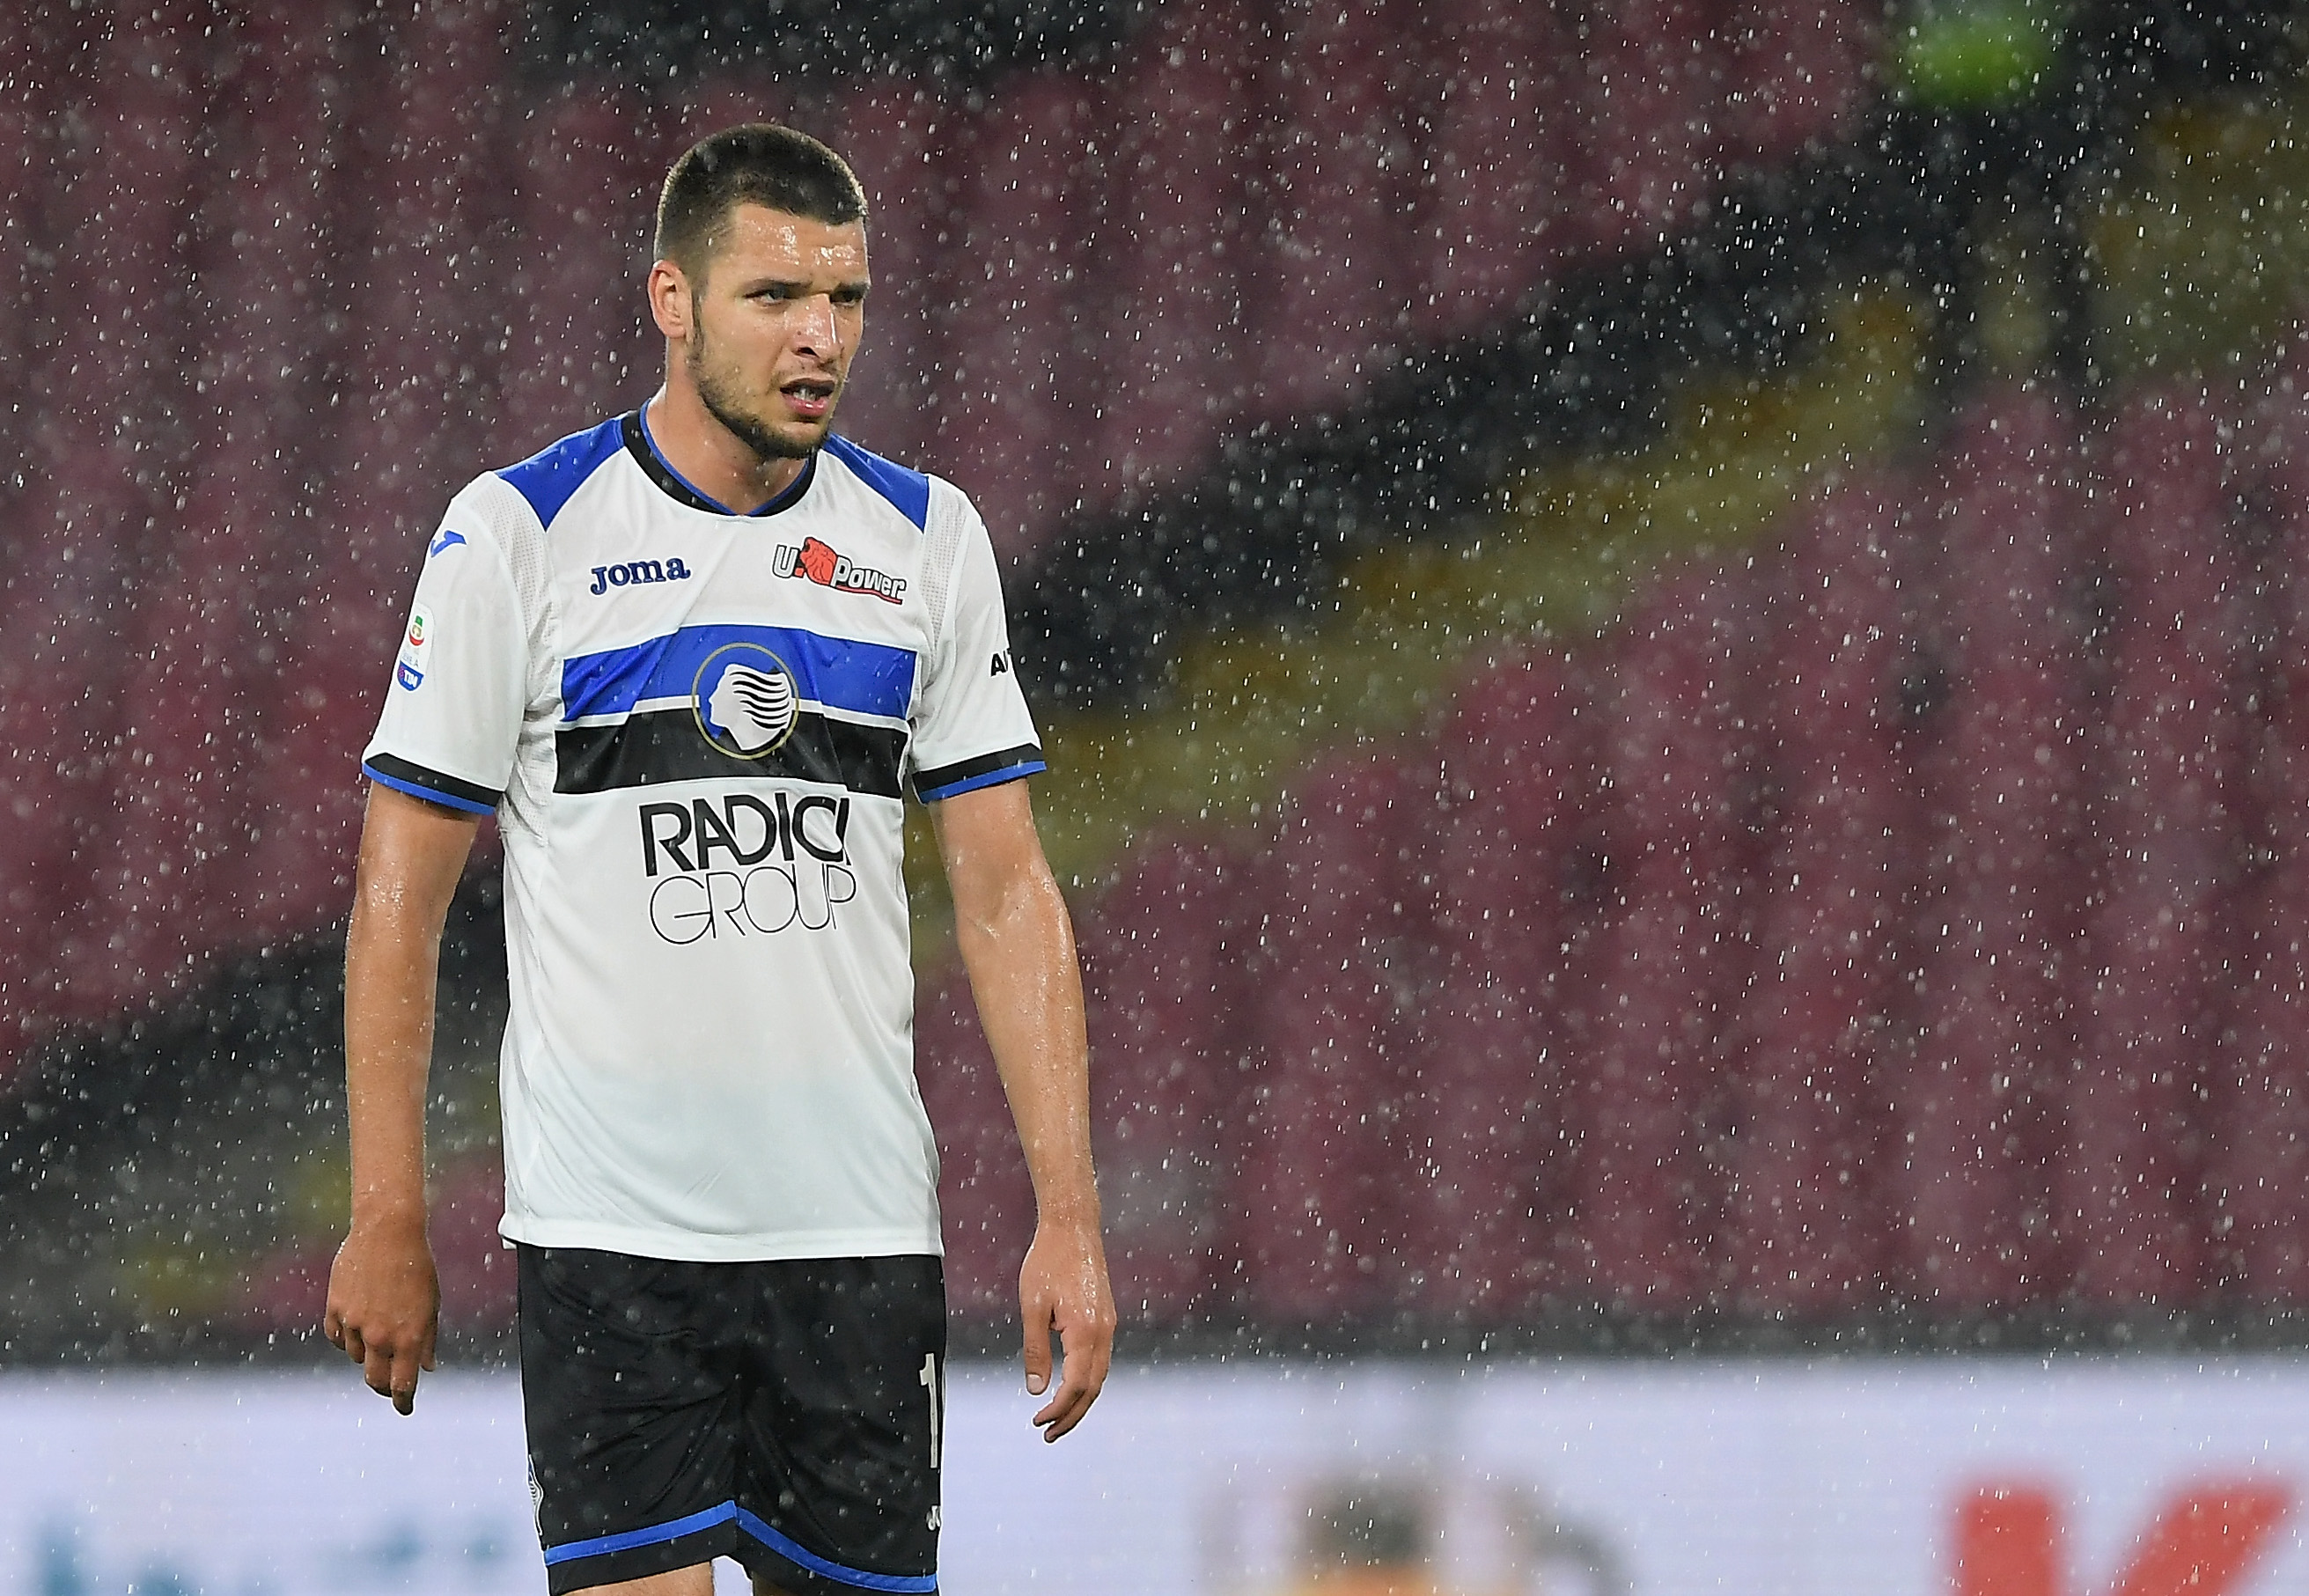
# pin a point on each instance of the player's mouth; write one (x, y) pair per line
(809, 399)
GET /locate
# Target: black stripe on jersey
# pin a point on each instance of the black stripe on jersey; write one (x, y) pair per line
(985, 765)
(658, 746)
(407, 773)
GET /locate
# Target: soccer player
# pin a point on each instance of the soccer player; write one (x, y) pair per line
(690, 657)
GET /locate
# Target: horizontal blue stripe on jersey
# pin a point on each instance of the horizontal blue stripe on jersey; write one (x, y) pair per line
(794, 1552)
(866, 678)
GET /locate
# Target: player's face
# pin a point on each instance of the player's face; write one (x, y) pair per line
(774, 326)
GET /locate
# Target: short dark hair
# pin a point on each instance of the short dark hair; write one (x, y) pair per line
(759, 164)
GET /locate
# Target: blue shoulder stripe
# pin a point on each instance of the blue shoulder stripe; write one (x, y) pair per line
(909, 490)
(548, 478)
(867, 678)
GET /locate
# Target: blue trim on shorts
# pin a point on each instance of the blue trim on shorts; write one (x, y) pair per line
(786, 1547)
(627, 1539)
(794, 1552)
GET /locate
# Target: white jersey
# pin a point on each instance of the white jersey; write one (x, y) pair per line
(693, 727)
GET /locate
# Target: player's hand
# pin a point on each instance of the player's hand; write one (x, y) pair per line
(1063, 1287)
(384, 1306)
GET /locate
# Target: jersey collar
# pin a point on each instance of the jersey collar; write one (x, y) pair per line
(655, 467)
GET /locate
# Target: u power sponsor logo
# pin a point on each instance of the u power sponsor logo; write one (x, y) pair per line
(745, 864)
(817, 562)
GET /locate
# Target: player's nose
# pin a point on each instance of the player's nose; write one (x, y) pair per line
(815, 331)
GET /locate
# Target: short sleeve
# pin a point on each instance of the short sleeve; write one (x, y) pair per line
(972, 727)
(453, 716)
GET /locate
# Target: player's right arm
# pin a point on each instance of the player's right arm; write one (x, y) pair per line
(440, 760)
(385, 1302)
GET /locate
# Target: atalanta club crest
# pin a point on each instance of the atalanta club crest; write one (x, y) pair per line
(747, 700)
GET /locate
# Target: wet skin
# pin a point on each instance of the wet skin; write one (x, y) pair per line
(758, 346)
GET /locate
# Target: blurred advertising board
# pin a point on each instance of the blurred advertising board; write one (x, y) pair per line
(2135, 1477)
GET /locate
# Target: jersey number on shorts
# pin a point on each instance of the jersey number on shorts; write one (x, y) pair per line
(936, 1389)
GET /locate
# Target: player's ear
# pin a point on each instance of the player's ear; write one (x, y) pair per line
(669, 297)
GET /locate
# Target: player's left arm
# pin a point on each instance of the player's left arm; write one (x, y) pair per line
(1018, 946)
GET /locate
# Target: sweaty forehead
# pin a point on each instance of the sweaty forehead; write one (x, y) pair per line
(757, 241)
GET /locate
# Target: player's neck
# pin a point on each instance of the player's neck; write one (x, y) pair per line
(709, 457)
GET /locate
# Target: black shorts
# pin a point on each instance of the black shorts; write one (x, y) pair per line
(787, 1414)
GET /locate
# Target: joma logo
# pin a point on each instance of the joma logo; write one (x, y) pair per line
(635, 572)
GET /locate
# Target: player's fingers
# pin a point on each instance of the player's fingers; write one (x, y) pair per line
(355, 1347)
(1034, 1314)
(376, 1370)
(333, 1326)
(1064, 1410)
(1080, 1381)
(403, 1382)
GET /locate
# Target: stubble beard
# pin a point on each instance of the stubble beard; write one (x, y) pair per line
(720, 401)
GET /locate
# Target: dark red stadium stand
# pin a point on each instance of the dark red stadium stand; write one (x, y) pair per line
(410, 380)
(113, 376)
(2256, 1181)
(1489, 1127)
(1171, 315)
(1165, 971)
(201, 643)
(53, 792)
(1016, 393)
(1664, 976)
(1323, 1186)
(1330, 267)
(1493, 209)
(985, 1195)
(1797, 70)
(1921, 915)
(709, 100)
(28, 124)
(1265, 221)
(2002, 763)
(1646, 85)
(171, 861)
(582, 197)
(1825, 1023)
(2168, 846)
(40, 714)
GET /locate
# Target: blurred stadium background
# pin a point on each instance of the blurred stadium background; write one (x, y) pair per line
(1674, 638)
